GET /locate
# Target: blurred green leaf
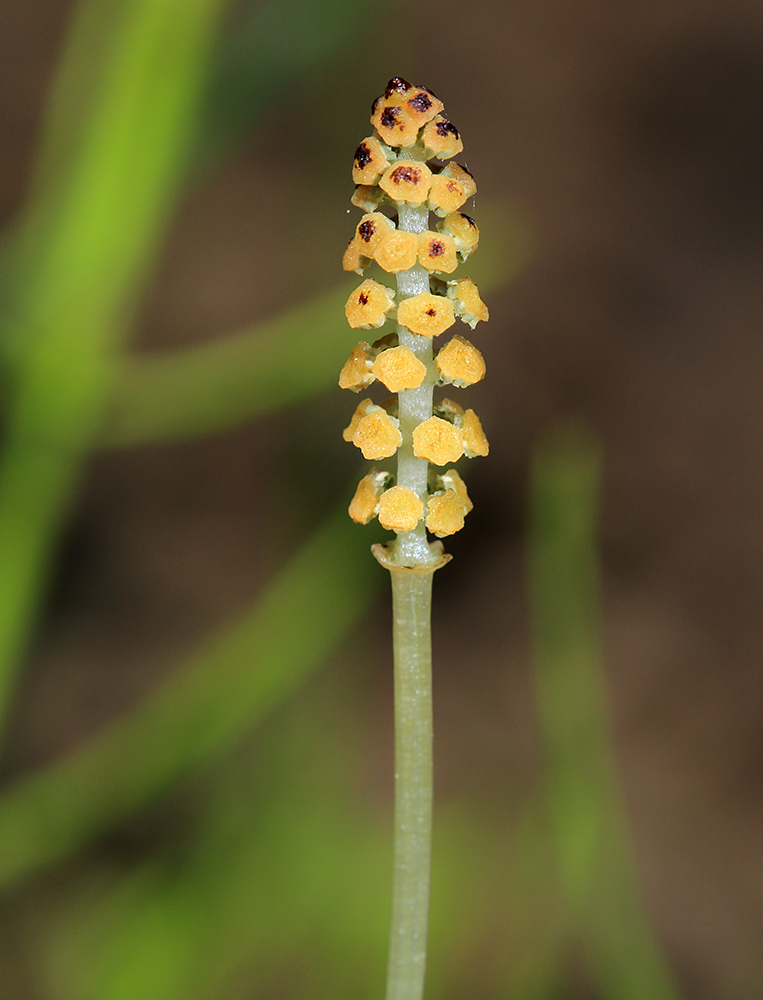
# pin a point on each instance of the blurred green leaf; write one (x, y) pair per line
(225, 689)
(212, 387)
(120, 122)
(105, 187)
(588, 825)
(282, 868)
(286, 886)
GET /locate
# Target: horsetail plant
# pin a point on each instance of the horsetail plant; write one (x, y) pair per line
(395, 167)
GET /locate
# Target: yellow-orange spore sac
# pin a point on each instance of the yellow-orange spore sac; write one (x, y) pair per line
(438, 441)
(396, 251)
(407, 181)
(437, 252)
(353, 259)
(394, 122)
(464, 231)
(361, 410)
(475, 442)
(458, 173)
(374, 431)
(422, 106)
(467, 302)
(426, 314)
(367, 197)
(400, 509)
(445, 513)
(398, 368)
(365, 502)
(446, 195)
(450, 410)
(441, 139)
(356, 373)
(369, 305)
(451, 480)
(460, 363)
(371, 230)
(372, 158)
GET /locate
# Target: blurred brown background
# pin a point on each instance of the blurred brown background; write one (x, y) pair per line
(625, 143)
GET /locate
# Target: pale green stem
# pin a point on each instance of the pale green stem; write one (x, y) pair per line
(414, 405)
(411, 604)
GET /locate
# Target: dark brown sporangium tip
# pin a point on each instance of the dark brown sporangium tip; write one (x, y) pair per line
(405, 175)
(397, 85)
(389, 117)
(362, 156)
(445, 128)
(420, 102)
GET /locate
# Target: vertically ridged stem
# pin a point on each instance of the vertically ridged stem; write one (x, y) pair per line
(414, 405)
(411, 607)
(411, 603)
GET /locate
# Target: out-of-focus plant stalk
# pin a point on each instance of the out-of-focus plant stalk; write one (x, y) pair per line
(584, 805)
(122, 115)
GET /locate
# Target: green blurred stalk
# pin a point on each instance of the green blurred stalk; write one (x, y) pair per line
(226, 688)
(119, 127)
(588, 824)
(276, 870)
(212, 387)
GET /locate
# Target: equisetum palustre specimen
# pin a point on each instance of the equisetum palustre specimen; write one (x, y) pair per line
(408, 164)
